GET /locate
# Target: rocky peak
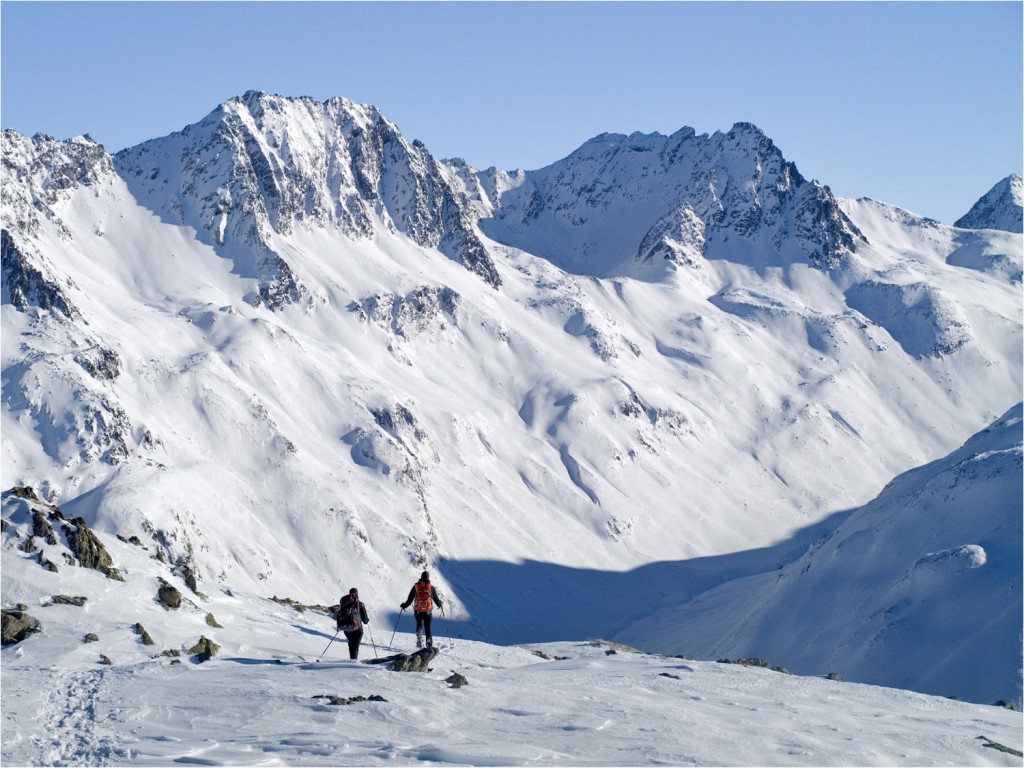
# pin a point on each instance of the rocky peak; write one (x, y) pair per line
(41, 170)
(1002, 207)
(620, 195)
(262, 164)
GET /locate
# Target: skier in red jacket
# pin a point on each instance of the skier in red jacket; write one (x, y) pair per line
(422, 596)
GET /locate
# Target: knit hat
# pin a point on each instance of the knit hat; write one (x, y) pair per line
(425, 576)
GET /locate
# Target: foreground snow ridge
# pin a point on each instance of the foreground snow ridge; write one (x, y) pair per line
(590, 703)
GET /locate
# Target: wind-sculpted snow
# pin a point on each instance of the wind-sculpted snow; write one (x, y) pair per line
(280, 347)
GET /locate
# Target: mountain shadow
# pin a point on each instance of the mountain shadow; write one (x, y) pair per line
(534, 602)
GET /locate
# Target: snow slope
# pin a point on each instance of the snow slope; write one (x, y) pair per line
(290, 350)
(256, 701)
(920, 588)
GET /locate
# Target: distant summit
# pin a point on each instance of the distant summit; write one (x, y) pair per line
(1002, 207)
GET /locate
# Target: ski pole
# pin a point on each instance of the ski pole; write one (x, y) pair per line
(392, 643)
(375, 651)
(447, 629)
(329, 644)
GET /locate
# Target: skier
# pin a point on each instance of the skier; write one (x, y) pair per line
(351, 617)
(423, 596)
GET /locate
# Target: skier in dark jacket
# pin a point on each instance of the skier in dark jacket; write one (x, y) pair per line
(351, 618)
(422, 596)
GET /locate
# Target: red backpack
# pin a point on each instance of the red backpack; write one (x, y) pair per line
(423, 602)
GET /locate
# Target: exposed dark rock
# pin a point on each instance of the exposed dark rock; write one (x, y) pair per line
(455, 680)
(300, 607)
(41, 527)
(92, 637)
(211, 621)
(17, 625)
(89, 550)
(191, 581)
(548, 657)
(140, 630)
(105, 660)
(24, 492)
(342, 701)
(48, 565)
(1006, 704)
(834, 676)
(100, 363)
(412, 662)
(987, 742)
(204, 650)
(168, 595)
(69, 600)
(26, 285)
(332, 699)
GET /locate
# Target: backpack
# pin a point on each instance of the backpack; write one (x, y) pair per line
(423, 603)
(349, 619)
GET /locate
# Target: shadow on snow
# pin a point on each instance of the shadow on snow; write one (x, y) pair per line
(534, 602)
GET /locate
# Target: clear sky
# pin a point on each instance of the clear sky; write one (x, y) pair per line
(918, 104)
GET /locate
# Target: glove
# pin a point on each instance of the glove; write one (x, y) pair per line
(404, 606)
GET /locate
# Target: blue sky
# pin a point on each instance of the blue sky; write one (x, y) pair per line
(918, 104)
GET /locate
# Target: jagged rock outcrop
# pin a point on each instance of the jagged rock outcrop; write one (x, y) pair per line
(168, 595)
(17, 625)
(204, 650)
(89, 550)
(427, 308)
(418, 661)
(25, 285)
(41, 170)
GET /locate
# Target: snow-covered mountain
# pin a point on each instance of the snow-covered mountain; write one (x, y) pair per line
(1002, 207)
(290, 350)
